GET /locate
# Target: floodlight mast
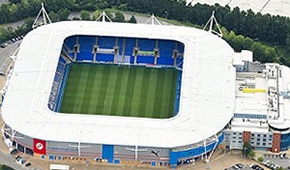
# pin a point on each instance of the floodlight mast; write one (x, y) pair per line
(103, 17)
(210, 24)
(152, 20)
(45, 17)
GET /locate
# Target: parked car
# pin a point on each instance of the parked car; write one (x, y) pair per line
(235, 167)
(281, 156)
(240, 165)
(27, 164)
(253, 166)
(20, 160)
(13, 152)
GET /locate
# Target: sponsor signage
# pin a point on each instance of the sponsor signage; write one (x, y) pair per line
(39, 146)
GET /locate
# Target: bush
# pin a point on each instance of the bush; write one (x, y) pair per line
(132, 19)
(252, 154)
(5, 167)
(76, 18)
(260, 159)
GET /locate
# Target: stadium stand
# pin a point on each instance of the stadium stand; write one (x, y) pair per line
(86, 45)
(146, 51)
(121, 50)
(57, 83)
(106, 50)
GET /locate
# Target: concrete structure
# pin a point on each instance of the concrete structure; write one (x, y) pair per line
(261, 114)
(194, 132)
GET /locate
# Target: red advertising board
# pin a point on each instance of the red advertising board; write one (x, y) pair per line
(39, 146)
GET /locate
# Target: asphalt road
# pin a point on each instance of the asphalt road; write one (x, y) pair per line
(4, 56)
(3, 1)
(6, 53)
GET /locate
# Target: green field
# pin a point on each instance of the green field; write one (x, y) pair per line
(120, 91)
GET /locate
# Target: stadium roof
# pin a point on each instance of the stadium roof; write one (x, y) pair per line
(206, 102)
(274, 7)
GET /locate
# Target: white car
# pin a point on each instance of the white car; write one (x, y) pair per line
(20, 160)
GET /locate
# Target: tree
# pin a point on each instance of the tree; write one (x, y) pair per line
(247, 148)
(63, 14)
(258, 51)
(96, 15)
(132, 19)
(85, 15)
(238, 42)
(248, 42)
(119, 17)
(53, 16)
(28, 24)
(108, 13)
(5, 13)
(14, 1)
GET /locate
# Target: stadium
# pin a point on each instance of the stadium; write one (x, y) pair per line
(120, 92)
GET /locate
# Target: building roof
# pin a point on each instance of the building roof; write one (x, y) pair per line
(283, 122)
(206, 102)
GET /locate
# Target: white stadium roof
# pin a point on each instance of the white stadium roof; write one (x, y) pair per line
(206, 102)
(274, 7)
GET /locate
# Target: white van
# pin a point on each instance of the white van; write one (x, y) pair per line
(58, 167)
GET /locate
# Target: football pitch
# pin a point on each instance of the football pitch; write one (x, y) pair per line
(120, 91)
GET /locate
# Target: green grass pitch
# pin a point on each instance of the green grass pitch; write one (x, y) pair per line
(120, 91)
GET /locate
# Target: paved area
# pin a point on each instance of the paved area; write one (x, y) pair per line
(222, 161)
